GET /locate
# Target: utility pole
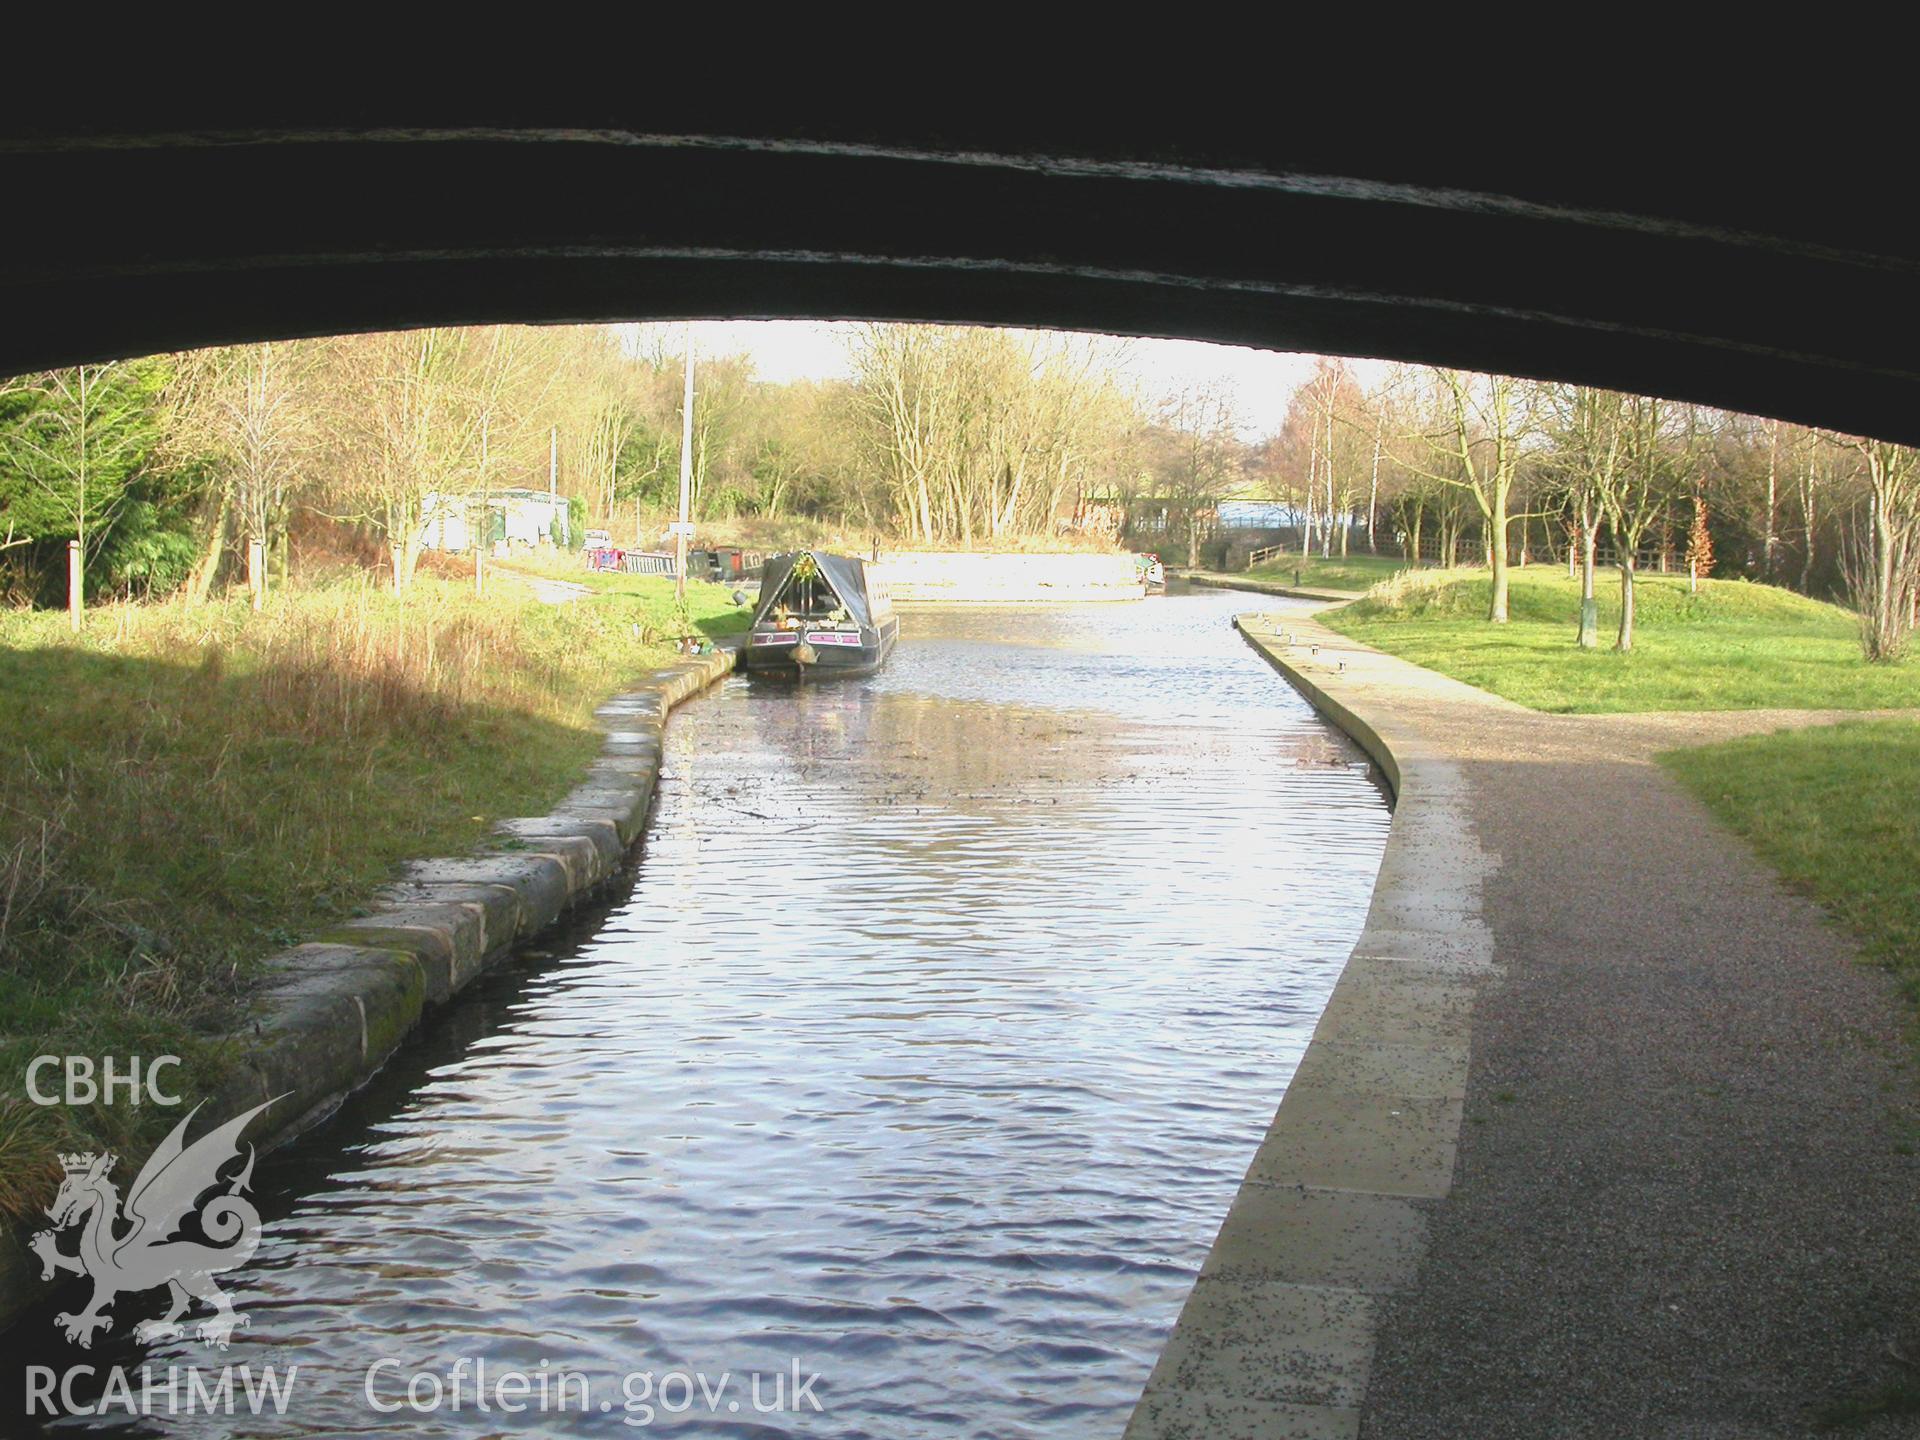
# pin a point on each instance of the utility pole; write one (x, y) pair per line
(681, 530)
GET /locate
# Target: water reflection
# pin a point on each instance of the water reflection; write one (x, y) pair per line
(926, 1053)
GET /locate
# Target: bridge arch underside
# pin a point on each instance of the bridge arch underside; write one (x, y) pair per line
(1694, 281)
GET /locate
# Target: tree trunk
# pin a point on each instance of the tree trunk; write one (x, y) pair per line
(1589, 608)
(1373, 483)
(1497, 603)
(1625, 641)
(1306, 531)
(1771, 540)
(1886, 617)
(1326, 535)
(200, 579)
(1810, 521)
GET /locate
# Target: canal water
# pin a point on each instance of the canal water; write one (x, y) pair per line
(924, 1055)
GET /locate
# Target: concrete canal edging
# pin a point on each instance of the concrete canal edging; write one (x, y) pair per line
(1277, 1336)
(328, 1014)
(1209, 580)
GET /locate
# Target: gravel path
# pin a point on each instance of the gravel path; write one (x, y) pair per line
(1686, 1202)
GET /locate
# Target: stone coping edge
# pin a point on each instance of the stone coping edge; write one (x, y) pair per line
(1277, 1335)
(1215, 581)
(328, 1014)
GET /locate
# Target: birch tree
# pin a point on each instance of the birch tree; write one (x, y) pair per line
(1882, 558)
(248, 409)
(410, 434)
(1655, 465)
(1475, 446)
(1207, 457)
(1590, 449)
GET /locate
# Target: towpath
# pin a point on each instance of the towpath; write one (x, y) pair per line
(1684, 1198)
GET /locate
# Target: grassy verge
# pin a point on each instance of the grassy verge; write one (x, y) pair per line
(187, 789)
(711, 611)
(1836, 811)
(1353, 573)
(1732, 646)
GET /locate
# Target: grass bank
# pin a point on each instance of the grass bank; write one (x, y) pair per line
(1836, 810)
(189, 788)
(1732, 646)
(1352, 573)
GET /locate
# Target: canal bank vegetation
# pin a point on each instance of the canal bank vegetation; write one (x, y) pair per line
(192, 786)
(1693, 560)
(191, 473)
(1836, 810)
(1710, 645)
(1438, 467)
(1353, 573)
(225, 680)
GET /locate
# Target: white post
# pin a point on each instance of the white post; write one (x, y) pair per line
(553, 486)
(686, 478)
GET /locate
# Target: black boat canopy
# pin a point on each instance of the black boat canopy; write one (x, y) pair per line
(846, 577)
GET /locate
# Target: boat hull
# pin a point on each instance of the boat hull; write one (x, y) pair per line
(836, 654)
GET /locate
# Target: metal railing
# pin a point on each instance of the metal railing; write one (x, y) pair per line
(632, 562)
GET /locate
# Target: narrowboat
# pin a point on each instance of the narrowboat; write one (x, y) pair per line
(820, 614)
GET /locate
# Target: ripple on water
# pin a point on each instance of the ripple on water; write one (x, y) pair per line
(928, 1050)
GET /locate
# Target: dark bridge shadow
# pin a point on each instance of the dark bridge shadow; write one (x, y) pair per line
(1640, 258)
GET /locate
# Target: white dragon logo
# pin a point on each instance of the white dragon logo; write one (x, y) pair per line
(151, 1254)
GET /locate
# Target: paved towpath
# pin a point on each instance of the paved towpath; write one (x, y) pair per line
(1686, 1195)
(1215, 580)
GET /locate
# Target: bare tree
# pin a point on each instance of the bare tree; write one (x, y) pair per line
(1881, 554)
(1476, 446)
(1590, 435)
(983, 433)
(409, 434)
(1206, 455)
(247, 408)
(1656, 464)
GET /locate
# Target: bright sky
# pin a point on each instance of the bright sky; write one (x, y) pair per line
(1262, 381)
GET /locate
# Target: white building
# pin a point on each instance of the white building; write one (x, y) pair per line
(519, 517)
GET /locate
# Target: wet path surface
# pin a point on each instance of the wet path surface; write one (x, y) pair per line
(925, 1054)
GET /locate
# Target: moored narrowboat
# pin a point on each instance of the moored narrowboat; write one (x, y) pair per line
(820, 614)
